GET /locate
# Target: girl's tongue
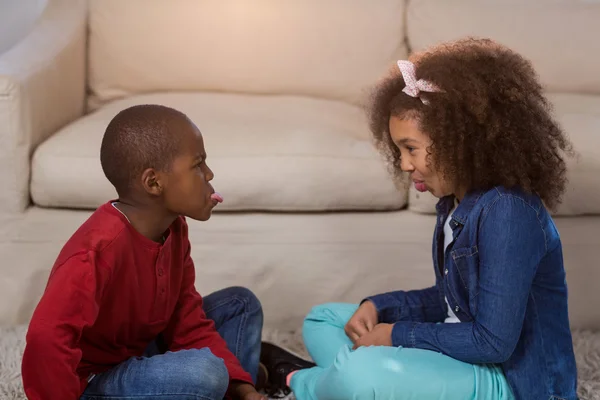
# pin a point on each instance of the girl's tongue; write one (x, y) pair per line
(420, 186)
(216, 196)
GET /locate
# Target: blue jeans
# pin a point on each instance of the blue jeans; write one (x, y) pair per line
(190, 374)
(385, 372)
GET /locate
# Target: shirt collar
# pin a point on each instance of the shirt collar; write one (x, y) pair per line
(464, 207)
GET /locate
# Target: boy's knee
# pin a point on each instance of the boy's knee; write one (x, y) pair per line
(250, 300)
(204, 373)
(214, 376)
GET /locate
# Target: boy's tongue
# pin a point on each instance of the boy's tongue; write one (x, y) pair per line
(216, 196)
(420, 186)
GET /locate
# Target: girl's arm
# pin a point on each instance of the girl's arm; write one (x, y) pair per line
(511, 245)
(423, 305)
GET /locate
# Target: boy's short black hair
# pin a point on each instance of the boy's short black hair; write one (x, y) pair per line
(137, 138)
(491, 125)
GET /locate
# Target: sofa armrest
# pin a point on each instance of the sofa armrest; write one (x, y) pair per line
(42, 88)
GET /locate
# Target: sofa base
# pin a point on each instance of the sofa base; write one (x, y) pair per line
(291, 261)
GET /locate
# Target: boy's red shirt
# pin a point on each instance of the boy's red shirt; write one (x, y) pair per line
(110, 293)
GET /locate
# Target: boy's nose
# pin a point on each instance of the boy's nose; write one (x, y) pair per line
(209, 174)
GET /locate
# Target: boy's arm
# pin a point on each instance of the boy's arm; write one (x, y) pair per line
(422, 305)
(69, 304)
(189, 327)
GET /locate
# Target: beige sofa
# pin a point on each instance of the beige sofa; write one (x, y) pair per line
(310, 213)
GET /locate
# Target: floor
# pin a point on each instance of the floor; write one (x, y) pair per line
(587, 349)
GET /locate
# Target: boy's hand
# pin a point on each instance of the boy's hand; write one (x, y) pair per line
(362, 322)
(381, 335)
(245, 391)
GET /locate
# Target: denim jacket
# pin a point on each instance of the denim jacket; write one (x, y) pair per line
(503, 277)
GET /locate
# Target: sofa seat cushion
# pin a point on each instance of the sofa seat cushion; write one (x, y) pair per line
(268, 153)
(579, 116)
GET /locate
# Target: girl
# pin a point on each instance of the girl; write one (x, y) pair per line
(468, 122)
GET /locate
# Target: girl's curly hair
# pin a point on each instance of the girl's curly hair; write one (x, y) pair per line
(490, 126)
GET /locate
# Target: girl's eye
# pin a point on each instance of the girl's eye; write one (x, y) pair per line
(410, 149)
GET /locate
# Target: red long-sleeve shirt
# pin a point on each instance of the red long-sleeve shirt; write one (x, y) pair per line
(110, 293)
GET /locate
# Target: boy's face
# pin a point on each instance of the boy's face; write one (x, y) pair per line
(413, 145)
(187, 189)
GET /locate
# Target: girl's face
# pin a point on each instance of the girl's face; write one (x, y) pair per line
(413, 145)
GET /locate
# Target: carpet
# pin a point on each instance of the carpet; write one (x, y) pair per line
(12, 342)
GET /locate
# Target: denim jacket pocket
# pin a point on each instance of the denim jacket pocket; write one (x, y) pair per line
(466, 261)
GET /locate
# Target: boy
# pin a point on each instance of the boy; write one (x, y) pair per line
(120, 317)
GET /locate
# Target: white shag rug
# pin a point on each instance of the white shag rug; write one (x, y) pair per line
(12, 342)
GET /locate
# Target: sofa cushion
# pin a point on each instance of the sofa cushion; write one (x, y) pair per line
(325, 48)
(559, 37)
(580, 117)
(268, 153)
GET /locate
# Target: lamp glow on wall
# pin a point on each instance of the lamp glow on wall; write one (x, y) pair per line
(17, 18)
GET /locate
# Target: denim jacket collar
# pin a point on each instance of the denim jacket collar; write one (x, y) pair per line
(464, 208)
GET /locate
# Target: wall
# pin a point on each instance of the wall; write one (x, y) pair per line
(17, 18)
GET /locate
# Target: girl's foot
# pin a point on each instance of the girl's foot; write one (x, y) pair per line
(280, 363)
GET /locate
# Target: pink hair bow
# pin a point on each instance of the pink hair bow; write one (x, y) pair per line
(413, 86)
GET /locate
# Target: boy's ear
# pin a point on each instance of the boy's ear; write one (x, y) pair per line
(151, 182)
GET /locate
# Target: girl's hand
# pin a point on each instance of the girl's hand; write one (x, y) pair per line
(362, 322)
(381, 335)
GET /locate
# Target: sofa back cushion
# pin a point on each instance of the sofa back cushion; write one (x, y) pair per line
(324, 48)
(560, 37)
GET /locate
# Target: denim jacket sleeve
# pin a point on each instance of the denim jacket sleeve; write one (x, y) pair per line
(415, 305)
(511, 243)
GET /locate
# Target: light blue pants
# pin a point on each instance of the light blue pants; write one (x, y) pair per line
(393, 373)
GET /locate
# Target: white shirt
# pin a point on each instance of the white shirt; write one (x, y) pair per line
(447, 240)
